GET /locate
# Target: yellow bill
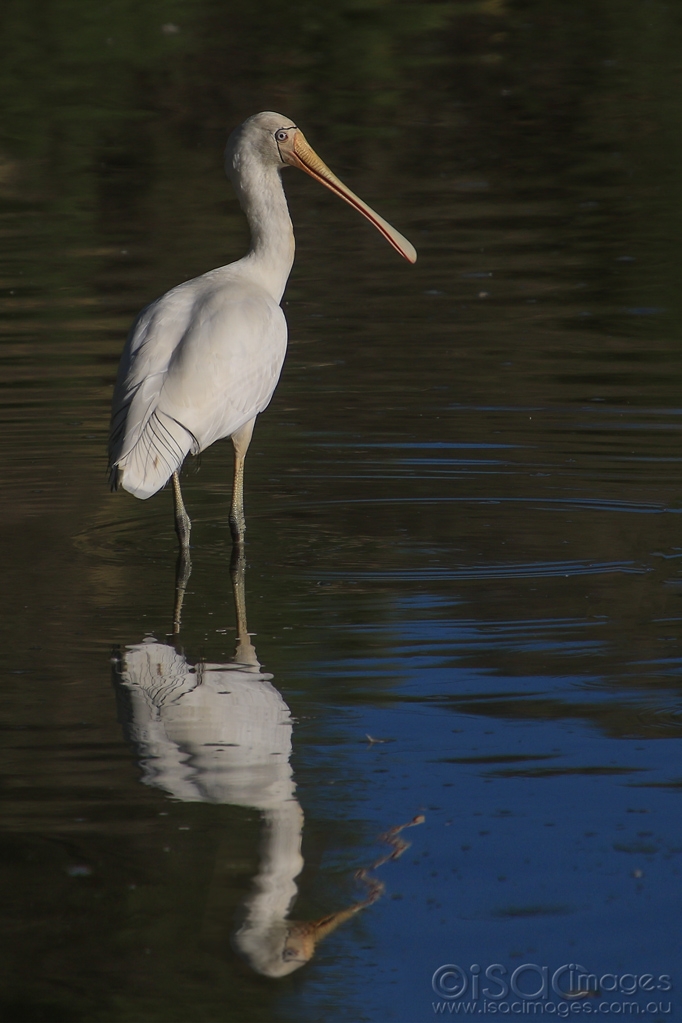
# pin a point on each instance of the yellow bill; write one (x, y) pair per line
(301, 155)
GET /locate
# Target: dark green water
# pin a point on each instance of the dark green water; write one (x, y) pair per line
(463, 506)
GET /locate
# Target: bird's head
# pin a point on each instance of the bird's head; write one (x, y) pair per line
(277, 141)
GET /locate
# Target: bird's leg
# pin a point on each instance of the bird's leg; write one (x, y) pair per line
(237, 518)
(183, 571)
(237, 573)
(182, 520)
(184, 566)
(240, 440)
(245, 653)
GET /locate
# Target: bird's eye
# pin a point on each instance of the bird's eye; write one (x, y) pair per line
(281, 136)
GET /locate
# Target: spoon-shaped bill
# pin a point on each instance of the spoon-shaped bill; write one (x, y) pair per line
(306, 159)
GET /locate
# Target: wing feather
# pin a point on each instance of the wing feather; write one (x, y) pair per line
(199, 363)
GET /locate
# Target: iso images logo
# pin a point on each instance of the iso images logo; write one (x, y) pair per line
(531, 989)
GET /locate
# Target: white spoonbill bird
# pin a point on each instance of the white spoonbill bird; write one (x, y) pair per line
(203, 360)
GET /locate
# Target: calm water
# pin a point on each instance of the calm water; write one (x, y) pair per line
(464, 563)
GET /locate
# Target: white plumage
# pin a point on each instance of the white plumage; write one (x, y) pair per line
(221, 733)
(203, 360)
(212, 733)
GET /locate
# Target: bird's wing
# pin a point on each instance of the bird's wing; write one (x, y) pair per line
(195, 375)
(153, 338)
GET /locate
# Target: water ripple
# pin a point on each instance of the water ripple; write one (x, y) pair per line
(528, 570)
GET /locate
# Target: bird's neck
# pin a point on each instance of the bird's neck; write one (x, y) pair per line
(262, 198)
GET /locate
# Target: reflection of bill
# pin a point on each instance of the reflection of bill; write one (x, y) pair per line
(221, 733)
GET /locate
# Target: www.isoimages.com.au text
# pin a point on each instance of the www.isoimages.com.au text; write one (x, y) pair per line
(560, 1010)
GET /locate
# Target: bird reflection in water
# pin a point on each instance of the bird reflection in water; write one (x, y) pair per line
(221, 733)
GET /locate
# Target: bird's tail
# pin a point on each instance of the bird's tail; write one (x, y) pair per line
(158, 452)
